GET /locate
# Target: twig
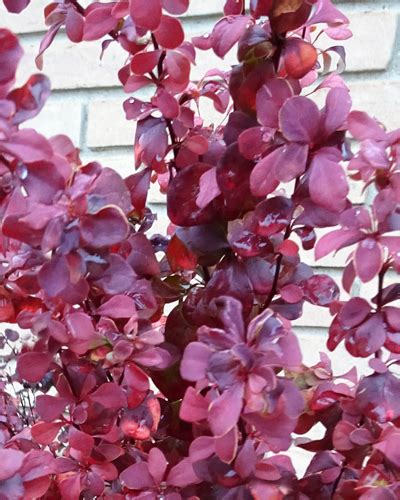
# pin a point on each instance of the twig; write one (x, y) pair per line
(279, 260)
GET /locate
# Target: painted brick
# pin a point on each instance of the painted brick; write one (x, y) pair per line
(313, 341)
(121, 163)
(380, 98)
(107, 125)
(161, 223)
(29, 21)
(203, 8)
(363, 51)
(55, 119)
(314, 316)
(370, 289)
(74, 66)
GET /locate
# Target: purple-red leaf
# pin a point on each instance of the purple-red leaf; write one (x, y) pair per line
(109, 395)
(146, 13)
(11, 462)
(119, 306)
(368, 259)
(137, 476)
(32, 366)
(16, 6)
(175, 7)
(299, 119)
(328, 184)
(335, 240)
(107, 227)
(227, 32)
(224, 411)
(169, 33)
(30, 99)
(98, 22)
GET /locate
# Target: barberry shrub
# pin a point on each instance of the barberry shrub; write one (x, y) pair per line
(166, 367)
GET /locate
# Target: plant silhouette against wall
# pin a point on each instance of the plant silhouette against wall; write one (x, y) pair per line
(108, 396)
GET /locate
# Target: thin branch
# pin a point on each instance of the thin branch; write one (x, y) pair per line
(206, 274)
(78, 6)
(381, 278)
(279, 260)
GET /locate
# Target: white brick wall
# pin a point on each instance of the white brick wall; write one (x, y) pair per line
(87, 102)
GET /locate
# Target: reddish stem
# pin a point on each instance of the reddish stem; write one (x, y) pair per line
(279, 260)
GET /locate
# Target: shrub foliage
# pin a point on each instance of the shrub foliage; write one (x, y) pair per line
(165, 366)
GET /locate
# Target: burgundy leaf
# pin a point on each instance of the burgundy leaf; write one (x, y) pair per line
(224, 411)
(80, 441)
(320, 290)
(28, 146)
(262, 177)
(118, 277)
(144, 62)
(292, 162)
(109, 189)
(354, 312)
(195, 361)
(180, 258)
(328, 184)
(157, 465)
(45, 433)
(137, 476)
(74, 25)
(299, 119)
(368, 259)
(142, 257)
(337, 108)
(32, 366)
(138, 185)
(50, 408)
(233, 7)
(16, 6)
(150, 141)
(362, 126)
(368, 338)
(209, 189)
(11, 462)
(261, 7)
(30, 99)
(376, 397)
(10, 54)
(98, 22)
(270, 99)
(146, 13)
(178, 66)
(182, 197)
(182, 474)
(227, 32)
(109, 395)
(246, 460)
(119, 306)
(106, 227)
(167, 104)
(194, 406)
(273, 215)
(169, 33)
(175, 7)
(80, 326)
(335, 240)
